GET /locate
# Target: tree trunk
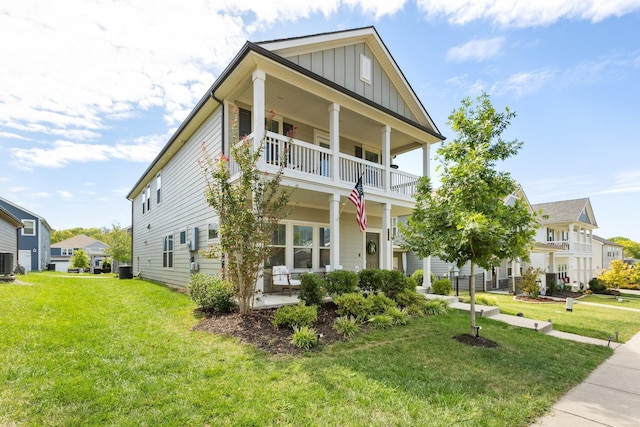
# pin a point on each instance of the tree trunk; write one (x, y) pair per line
(472, 294)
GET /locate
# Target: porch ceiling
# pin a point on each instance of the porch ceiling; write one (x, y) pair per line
(293, 102)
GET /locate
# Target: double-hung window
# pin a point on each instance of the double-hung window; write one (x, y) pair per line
(29, 227)
(277, 256)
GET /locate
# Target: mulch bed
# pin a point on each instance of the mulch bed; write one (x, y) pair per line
(256, 329)
(474, 341)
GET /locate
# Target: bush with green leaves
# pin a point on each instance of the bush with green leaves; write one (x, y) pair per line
(436, 307)
(312, 290)
(552, 285)
(295, 316)
(485, 300)
(530, 281)
(353, 304)
(399, 316)
(212, 293)
(441, 286)
(418, 276)
(380, 303)
(409, 297)
(370, 280)
(347, 326)
(393, 282)
(596, 285)
(380, 321)
(341, 282)
(304, 337)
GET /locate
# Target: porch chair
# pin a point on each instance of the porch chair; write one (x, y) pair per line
(281, 277)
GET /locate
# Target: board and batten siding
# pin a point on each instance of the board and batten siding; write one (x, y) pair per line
(342, 66)
(182, 208)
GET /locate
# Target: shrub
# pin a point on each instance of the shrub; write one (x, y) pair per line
(380, 303)
(304, 337)
(530, 284)
(441, 286)
(312, 290)
(295, 315)
(353, 304)
(552, 285)
(399, 316)
(596, 285)
(212, 293)
(341, 282)
(408, 297)
(436, 307)
(370, 280)
(347, 326)
(381, 321)
(394, 282)
(418, 277)
(485, 300)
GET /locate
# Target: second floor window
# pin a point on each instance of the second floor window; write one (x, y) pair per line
(167, 251)
(29, 227)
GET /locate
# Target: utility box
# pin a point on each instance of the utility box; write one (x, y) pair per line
(569, 304)
(6, 263)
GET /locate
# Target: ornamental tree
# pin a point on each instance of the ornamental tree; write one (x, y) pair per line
(618, 275)
(79, 259)
(249, 206)
(467, 219)
(119, 241)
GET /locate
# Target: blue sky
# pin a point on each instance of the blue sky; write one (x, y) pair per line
(91, 91)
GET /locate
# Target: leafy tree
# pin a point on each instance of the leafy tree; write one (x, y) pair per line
(79, 259)
(467, 219)
(530, 281)
(630, 249)
(94, 233)
(618, 275)
(249, 209)
(119, 241)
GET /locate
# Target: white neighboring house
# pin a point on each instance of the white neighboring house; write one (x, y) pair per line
(62, 252)
(604, 251)
(568, 225)
(352, 111)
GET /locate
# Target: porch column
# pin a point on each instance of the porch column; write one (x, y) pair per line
(426, 160)
(426, 277)
(386, 251)
(334, 224)
(386, 156)
(591, 274)
(334, 138)
(259, 78)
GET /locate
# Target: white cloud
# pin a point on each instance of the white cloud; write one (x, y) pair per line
(64, 194)
(61, 153)
(623, 182)
(526, 13)
(476, 50)
(524, 83)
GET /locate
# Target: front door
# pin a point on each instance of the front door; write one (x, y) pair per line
(372, 249)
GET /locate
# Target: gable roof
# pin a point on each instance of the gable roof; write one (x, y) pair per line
(245, 62)
(567, 211)
(20, 208)
(8, 217)
(79, 241)
(605, 241)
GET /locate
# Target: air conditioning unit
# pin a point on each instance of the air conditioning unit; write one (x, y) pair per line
(6, 263)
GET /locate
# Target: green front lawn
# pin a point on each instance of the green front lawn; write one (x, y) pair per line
(78, 350)
(628, 300)
(587, 320)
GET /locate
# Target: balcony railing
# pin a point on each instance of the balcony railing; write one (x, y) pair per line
(316, 162)
(575, 247)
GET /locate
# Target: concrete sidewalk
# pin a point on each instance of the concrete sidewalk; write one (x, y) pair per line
(610, 396)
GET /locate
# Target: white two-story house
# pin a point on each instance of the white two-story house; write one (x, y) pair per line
(569, 225)
(353, 111)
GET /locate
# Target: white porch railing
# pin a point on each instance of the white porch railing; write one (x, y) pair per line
(575, 247)
(316, 161)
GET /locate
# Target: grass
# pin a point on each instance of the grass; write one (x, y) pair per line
(586, 320)
(95, 350)
(628, 300)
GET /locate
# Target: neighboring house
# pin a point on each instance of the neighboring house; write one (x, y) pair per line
(568, 225)
(604, 251)
(33, 240)
(9, 231)
(352, 111)
(62, 252)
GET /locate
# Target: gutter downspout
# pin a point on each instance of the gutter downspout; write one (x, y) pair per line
(213, 96)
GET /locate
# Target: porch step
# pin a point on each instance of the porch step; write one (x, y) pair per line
(481, 310)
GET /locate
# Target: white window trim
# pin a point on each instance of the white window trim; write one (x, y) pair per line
(32, 221)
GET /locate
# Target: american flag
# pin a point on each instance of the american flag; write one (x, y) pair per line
(357, 198)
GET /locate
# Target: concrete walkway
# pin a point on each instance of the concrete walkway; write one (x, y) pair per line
(610, 396)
